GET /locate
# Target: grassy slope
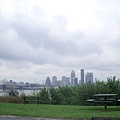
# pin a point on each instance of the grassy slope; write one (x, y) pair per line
(58, 111)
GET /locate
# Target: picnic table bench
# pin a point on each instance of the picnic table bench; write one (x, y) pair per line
(32, 99)
(118, 100)
(104, 99)
(90, 100)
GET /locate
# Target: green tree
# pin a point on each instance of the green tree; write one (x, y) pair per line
(85, 92)
(113, 85)
(68, 95)
(55, 96)
(101, 87)
(44, 96)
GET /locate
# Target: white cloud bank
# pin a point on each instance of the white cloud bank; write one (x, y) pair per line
(43, 38)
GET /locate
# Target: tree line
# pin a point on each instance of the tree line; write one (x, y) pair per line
(77, 95)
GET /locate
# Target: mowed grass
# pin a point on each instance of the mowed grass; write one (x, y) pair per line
(58, 111)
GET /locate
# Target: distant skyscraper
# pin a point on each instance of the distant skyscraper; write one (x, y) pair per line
(89, 77)
(48, 82)
(82, 76)
(75, 81)
(54, 80)
(65, 80)
(72, 77)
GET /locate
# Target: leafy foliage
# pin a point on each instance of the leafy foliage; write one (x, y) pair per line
(44, 96)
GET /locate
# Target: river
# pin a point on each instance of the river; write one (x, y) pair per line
(26, 92)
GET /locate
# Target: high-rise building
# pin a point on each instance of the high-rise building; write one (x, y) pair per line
(75, 81)
(54, 79)
(65, 80)
(72, 77)
(89, 77)
(68, 81)
(82, 76)
(48, 82)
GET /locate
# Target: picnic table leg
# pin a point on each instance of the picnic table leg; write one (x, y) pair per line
(105, 106)
(105, 103)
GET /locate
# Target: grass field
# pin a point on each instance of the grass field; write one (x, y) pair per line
(59, 111)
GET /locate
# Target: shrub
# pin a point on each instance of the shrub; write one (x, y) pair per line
(9, 99)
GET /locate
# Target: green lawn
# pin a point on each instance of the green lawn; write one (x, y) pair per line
(58, 111)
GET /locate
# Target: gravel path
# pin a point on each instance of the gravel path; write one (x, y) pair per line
(4, 117)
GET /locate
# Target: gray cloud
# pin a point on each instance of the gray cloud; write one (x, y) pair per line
(28, 36)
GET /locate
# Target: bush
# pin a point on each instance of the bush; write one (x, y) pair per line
(8, 99)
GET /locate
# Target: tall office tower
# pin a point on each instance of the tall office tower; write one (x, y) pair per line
(68, 81)
(65, 80)
(72, 77)
(89, 77)
(75, 81)
(48, 82)
(54, 79)
(82, 76)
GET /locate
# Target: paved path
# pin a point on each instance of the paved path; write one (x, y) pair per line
(4, 117)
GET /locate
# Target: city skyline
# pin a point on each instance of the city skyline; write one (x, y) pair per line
(80, 73)
(43, 38)
(71, 80)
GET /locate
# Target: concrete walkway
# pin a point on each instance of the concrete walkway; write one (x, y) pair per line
(4, 117)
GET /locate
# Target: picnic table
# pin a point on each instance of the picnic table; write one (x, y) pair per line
(105, 99)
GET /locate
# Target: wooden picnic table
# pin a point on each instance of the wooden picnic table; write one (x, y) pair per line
(105, 99)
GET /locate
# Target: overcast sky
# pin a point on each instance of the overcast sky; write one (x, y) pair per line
(40, 38)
